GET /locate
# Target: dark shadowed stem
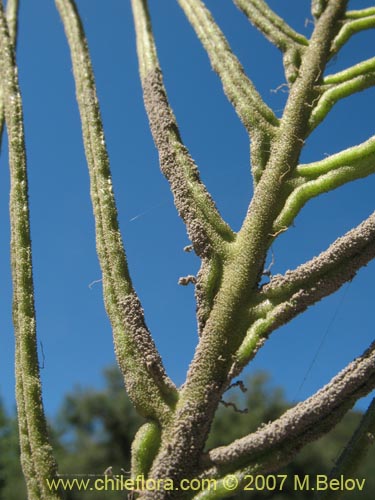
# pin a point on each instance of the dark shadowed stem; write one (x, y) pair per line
(37, 459)
(147, 383)
(355, 451)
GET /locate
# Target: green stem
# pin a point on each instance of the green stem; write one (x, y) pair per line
(250, 107)
(279, 440)
(360, 157)
(277, 31)
(323, 184)
(12, 21)
(358, 14)
(360, 69)
(36, 453)
(226, 326)
(325, 175)
(289, 295)
(350, 28)
(209, 234)
(147, 383)
(343, 84)
(271, 25)
(205, 226)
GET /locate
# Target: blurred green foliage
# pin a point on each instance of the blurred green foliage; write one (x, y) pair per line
(94, 429)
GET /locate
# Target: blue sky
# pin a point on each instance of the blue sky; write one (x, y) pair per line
(72, 325)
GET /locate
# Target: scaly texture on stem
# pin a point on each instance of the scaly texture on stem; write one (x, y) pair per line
(250, 107)
(355, 451)
(208, 232)
(286, 296)
(276, 443)
(12, 21)
(357, 242)
(147, 384)
(205, 227)
(277, 31)
(37, 458)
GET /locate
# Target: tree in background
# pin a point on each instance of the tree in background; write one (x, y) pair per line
(236, 310)
(94, 428)
(12, 486)
(99, 427)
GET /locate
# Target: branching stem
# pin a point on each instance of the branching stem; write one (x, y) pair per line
(279, 33)
(352, 26)
(277, 442)
(343, 84)
(252, 110)
(226, 325)
(148, 386)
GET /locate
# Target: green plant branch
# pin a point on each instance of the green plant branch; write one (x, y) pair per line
(355, 243)
(360, 69)
(277, 31)
(226, 325)
(355, 451)
(205, 227)
(341, 85)
(298, 426)
(147, 384)
(308, 190)
(286, 296)
(26, 453)
(319, 177)
(272, 189)
(360, 156)
(350, 28)
(37, 457)
(250, 107)
(267, 21)
(260, 148)
(317, 7)
(12, 21)
(358, 14)
(209, 234)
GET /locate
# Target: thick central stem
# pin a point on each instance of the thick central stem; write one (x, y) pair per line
(183, 441)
